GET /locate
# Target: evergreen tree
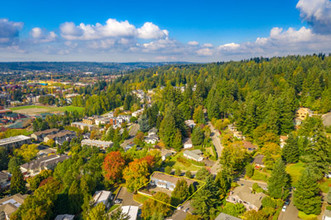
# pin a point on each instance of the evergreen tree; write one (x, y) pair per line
(4, 159)
(75, 198)
(307, 195)
(17, 183)
(197, 136)
(180, 192)
(143, 123)
(177, 144)
(125, 134)
(279, 182)
(168, 129)
(290, 151)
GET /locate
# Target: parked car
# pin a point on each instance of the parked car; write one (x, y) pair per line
(287, 202)
(284, 208)
(118, 201)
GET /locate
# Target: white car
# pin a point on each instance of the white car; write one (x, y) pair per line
(284, 208)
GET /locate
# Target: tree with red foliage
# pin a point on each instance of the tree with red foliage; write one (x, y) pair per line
(113, 166)
(150, 161)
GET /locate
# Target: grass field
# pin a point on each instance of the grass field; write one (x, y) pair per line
(37, 109)
(179, 165)
(295, 172)
(139, 198)
(324, 185)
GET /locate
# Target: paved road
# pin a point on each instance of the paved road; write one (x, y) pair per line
(218, 146)
(291, 212)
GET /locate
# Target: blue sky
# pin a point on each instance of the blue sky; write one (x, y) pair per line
(199, 31)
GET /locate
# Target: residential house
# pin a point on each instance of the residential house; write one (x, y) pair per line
(190, 123)
(13, 116)
(102, 196)
(40, 135)
(97, 143)
(282, 141)
(187, 143)
(166, 181)
(131, 210)
(302, 113)
(10, 204)
(61, 136)
(34, 167)
(4, 179)
(83, 126)
(258, 161)
(249, 146)
(223, 216)
(89, 120)
(151, 139)
(137, 113)
(153, 131)
(65, 217)
(327, 215)
(102, 121)
(244, 195)
(195, 155)
(15, 142)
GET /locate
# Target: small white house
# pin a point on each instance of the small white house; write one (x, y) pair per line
(187, 143)
(131, 210)
(102, 196)
(195, 155)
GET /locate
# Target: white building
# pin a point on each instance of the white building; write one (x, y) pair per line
(188, 143)
(97, 143)
(102, 196)
(195, 155)
(131, 210)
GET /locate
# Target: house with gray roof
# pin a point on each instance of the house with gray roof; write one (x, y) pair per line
(195, 155)
(61, 136)
(223, 216)
(244, 195)
(97, 143)
(10, 204)
(14, 142)
(34, 167)
(40, 135)
(166, 181)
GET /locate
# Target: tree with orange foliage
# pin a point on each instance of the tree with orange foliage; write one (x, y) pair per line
(113, 166)
(136, 174)
(150, 161)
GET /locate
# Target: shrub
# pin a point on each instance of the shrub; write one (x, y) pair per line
(167, 169)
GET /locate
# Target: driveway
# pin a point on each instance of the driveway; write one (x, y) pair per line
(127, 197)
(218, 147)
(290, 213)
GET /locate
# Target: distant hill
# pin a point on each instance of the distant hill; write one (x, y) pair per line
(78, 67)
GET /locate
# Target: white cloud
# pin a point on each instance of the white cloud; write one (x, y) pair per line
(9, 32)
(151, 31)
(193, 43)
(205, 52)
(230, 46)
(317, 13)
(43, 36)
(208, 45)
(112, 29)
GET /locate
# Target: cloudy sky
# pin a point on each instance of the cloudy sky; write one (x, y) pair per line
(163, 30)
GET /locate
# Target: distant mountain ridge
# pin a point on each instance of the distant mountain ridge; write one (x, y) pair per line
(76, 67)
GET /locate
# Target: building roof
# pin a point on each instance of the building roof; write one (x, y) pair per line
(46, 131)
(101, 196)
(10, 204)
(245, 194)
(132, 211)
(187, 141)
(4, 176)
(65, 217)
(96, 142)
(14, 139)
(60, 134)
(194, 154)
(259, 159)
(249, 145)
(224, 216)
(44, 162)
(81, 124)
(170, 178)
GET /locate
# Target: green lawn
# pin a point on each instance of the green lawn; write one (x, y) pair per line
(258, 175)
(304, 216)
(48, 108)
(70, 108)
(28, 107)
(113, 207)
(179, 165)
(324, 185)
(295, 171)
(140, 198)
